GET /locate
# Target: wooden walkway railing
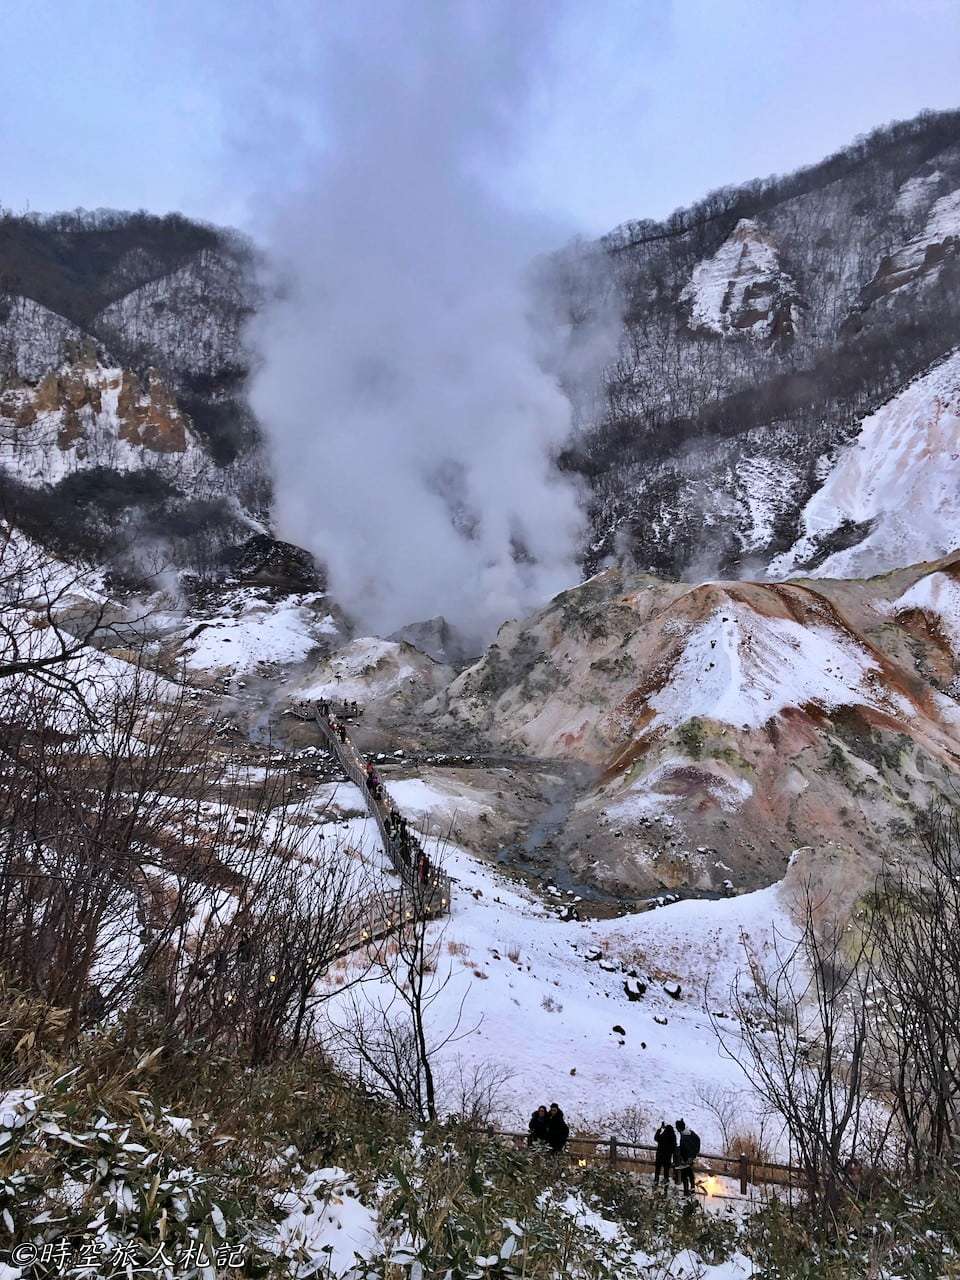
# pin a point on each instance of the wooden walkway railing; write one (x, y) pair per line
(638, 1157)
(430, 891)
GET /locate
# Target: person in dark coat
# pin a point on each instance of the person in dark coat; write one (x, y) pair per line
(537, 1128)
(666, 1140)
(688, 1148)
(558, 1131)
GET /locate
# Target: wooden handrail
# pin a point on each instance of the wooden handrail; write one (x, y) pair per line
(757, 1171)
(435, 895)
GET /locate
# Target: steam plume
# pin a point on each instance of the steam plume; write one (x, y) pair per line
(408, 385)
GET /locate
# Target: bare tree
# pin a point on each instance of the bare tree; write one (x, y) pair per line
(392, 1033)
(47, 619)
(913, 923)
(805, 1044)
(133, 874)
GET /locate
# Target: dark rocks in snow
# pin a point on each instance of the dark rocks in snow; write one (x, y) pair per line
(618, 1030)
(659, 1019)
(672, 989)
(634, 989)
(594, 953)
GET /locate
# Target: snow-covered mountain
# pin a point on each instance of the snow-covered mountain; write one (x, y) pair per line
(125, 436)
(763, 329)
(731, 721)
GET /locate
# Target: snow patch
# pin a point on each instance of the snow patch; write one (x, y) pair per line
(742, 279)
(742, 668)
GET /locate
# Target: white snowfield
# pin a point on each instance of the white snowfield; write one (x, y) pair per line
(903, 473)
(742, 668)
(537, 1010)
(747, 259)
(252, 629)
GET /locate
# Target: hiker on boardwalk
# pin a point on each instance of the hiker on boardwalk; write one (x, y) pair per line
(666, 1140)
(537, 1128)
(688, 1148)
(558, 1131)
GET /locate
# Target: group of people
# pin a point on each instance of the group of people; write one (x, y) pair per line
(548, 1128)
(351, 710)
(677, 1149)
(403, 847)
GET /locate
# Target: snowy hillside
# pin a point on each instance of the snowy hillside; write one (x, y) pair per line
(188, 321)
(760, 327)
(32, 339)
(896, 487)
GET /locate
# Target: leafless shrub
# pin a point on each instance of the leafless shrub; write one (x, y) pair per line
(726, 1107)
(631, 1124)
(476, 1092)
(394, 1037)
(804, 1042)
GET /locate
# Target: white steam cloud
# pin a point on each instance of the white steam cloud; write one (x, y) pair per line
(409, 381)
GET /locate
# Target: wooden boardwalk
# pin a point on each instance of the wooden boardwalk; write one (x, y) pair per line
(421, 897)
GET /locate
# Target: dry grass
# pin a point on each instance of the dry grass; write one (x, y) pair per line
(748, 1144)
(513, 954)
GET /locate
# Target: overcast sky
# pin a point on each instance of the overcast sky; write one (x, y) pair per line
(627, 109)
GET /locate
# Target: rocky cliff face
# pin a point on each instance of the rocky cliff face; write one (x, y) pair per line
(742, 288)
(84, 414)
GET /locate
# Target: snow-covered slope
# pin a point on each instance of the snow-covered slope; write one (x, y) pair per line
(249, 631)
(925, 253)
(742, 288)
(32, 338)
(189, 320)
(897, 484)
(379, 674)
